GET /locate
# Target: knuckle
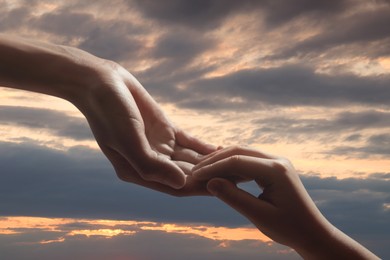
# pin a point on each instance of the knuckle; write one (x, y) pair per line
(234, 160)
(280, 166)
(283, 165)
(285, 161)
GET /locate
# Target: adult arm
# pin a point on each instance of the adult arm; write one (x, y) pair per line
(284, 210)
(142, 144)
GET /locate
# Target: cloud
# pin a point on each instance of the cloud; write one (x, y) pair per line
(75, 23)
(53, 121)
(208, 14)
(177, 48)
(377, 145)
(13, 19)
(178, 55)
(286, 86)
(46, 243)
(181, 45)
(176, 52)
(360, 134)
(341, 122)
(63, 21)
(109, 39)
(365, 27)
(111, 44)
(81, 183)
(280, 12)
(194, 14)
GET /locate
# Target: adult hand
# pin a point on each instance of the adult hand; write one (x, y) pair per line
(283, 211)
(132, 131)
(142, 144)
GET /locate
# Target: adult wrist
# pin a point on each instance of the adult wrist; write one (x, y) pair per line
(95, 82)
(319, 245)
(336, 245)
(76, 72)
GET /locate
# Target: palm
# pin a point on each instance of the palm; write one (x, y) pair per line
(141, 143)
(175, 145)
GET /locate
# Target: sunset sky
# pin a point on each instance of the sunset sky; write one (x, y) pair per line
(308, 80)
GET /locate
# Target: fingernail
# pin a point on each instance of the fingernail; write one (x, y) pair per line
(214, 187)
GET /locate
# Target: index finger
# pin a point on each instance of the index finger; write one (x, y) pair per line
(231, 151)
(260, 169)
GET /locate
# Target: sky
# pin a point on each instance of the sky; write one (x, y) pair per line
(307, 80)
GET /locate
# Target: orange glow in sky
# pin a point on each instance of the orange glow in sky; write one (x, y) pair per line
(112, 228)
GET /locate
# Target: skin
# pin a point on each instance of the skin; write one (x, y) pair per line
(144, 147)
(284, 210)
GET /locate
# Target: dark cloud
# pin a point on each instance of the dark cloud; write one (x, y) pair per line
(343, 121)
(279, 12)
(82, 183)
(365, 119)
(364, 28)
(353, 137)
(194, 13)
(163, 81)
(374, 183)
(177, 53)
(181, 45)
(350, 126)
(381, 175)
(55, 122)
(13, 19)
(376, 145)
(109, 39)
(111, 44)
(287, 86)
(208, 14)
(66, 22)
(176, 50)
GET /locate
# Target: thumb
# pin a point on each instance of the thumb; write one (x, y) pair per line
(238, 199)
(164, 171)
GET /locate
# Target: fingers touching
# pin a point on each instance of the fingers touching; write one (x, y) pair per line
(246, 163)
(231, 151)
(189, 150)
(187, 155)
